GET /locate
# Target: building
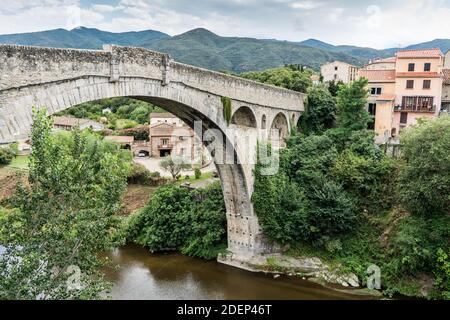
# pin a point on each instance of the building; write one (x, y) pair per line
(69, 124)
(381, 64)
(165, 117)
(446, 90)
(169, 135)
(315, 78)
(404, 91)
(339, 71)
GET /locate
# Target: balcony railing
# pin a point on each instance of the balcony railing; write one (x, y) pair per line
(165, 146)
(416, 104)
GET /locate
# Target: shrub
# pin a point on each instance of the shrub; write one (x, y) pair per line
(193, 222)
(198, 173)
(7, 154)
(140, 175)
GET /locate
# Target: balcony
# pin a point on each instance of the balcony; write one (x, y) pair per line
(166, 146)
(416, 104)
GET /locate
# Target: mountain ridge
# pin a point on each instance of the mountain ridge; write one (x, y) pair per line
(204, 48)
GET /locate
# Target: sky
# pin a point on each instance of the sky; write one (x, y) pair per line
(376, 24)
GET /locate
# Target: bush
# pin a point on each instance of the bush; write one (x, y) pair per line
(198, 174)
(193, 222)
(140, 175)
(7, 154)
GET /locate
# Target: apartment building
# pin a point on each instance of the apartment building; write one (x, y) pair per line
(339, 71)
(403, 91)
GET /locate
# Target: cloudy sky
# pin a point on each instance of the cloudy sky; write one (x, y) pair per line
(378, 24)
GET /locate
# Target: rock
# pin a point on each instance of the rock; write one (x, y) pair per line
(353, 280)
(276, 276)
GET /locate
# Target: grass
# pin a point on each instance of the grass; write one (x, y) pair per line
(19, 162)
(204, 176)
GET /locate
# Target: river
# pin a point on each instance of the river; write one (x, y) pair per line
(142, 275)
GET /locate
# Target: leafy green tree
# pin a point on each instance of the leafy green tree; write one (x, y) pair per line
(351, 106)
(333, 86)
(285, 77)
(66, 216)
(320, 111)
(424, 186)
(174, 165)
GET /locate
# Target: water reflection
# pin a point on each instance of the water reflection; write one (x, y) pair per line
(142, 275)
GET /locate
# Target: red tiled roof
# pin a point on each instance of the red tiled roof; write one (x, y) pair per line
(417, 75)
(421, 53)
(377, 75)
(386, 60)
(446, 73)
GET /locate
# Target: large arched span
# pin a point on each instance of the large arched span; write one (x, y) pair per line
(58, 79)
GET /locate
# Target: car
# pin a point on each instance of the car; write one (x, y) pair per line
(141, 155)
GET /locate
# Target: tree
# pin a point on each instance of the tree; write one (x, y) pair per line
(174, 165)
(320, 111)
(424, 185)
(286, 77)
(333, 86)
(66, 216)
(351, 106)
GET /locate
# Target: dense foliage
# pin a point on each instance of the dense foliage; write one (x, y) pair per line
(8, 153)
(193, 222)
(338, 196)
(119, 113)
(425, 178)
(65, 217)
(320, 111)
(139, 174)
(174, 165)
(288, 77)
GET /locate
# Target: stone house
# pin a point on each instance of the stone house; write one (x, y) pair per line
(68, 124)
(339, 71)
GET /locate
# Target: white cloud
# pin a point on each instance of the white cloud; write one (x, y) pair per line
(103, 8)
(305, 5)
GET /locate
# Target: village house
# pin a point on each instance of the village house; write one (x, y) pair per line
(169, 135)
(339, 71)
(69, 124)
(403, 91)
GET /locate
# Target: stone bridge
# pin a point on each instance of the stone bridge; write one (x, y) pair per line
(57, 79)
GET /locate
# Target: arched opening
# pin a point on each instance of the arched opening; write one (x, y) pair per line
(244, 117)
(279, 129)
(143, 153)
(264, 122)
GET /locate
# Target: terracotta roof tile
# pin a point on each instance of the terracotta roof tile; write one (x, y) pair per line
(421, 53)
(377, 75)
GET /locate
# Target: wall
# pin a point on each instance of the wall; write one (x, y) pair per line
(328, 71)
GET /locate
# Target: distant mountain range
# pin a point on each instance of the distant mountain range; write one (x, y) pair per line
(203, 48)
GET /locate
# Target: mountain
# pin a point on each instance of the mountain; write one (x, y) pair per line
(83, 38)
(203, 48)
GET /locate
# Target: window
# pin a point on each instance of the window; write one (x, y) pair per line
(335, 77)
(427, 66)
(418, 103)
(372, 109)
(426, 84)
(409, 84)
(182, 151)
(164, 142)
(375, 91)
(335, 68)
(411, 67)
(403, 118)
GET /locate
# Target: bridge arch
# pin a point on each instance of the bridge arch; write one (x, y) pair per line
(245, 117)
(280, 125)
(58, 79)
